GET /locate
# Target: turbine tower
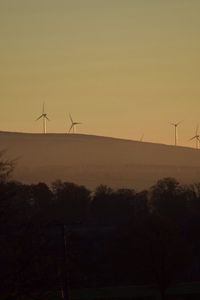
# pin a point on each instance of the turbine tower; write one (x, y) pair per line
(176, 132)
(142, 138)
(196, 137)
(73, 124)
(44, 117)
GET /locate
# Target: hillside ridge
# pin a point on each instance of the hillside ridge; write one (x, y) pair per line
(92, 160)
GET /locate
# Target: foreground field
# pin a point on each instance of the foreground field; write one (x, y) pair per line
(183, 291)
(138, 292)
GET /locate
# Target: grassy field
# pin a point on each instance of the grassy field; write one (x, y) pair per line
(135, 292)
(192, 291)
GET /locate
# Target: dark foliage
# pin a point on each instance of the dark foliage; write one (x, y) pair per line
(50, 236)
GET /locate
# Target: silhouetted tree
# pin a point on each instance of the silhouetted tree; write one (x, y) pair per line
(193, 196)
(71, 202)
(28, 250)
(109, 207)
(151, 250)
(6, 166)
(41, 197)
(168, 198)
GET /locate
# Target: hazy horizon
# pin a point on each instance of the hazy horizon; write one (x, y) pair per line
(122, 68)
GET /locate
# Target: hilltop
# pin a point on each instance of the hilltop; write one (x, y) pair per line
(93, 160)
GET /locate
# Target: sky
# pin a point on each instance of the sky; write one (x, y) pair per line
(123, 68)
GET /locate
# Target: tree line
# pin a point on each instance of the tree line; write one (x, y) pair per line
(113, 237)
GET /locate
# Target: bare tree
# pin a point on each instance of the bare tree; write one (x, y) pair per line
(6, 166)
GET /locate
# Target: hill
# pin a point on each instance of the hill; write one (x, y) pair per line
(93, 160)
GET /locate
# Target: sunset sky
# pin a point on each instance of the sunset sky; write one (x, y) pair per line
(122, 67)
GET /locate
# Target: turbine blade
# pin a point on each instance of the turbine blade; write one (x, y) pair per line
(39, 117)
(71, 118)
(47, 118)
(197, 129)
(179, 122)
(43, 107)
(194, 137)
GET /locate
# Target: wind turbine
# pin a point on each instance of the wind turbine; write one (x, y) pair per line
(73, 124)
(176, 131)
(142, 138)
(44, 118)
(196, 137)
